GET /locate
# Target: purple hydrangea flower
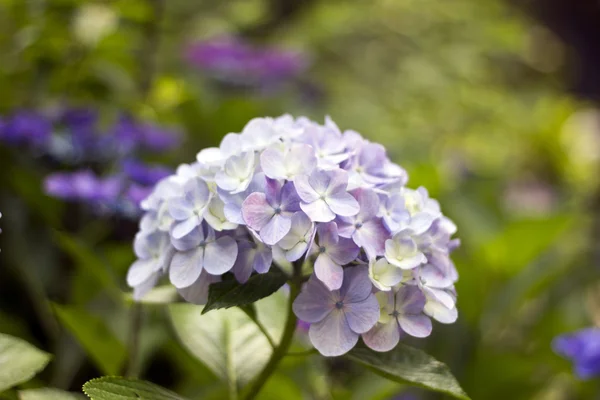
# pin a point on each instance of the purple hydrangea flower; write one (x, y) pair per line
(252, 256)
(401, 311)
(338, 317)
(26, 128)
(188, 211)
(154, 252)
(270, 213)
(324, 195)
(301, 234)
(201, 250)
(365, 228)
(333, 252)
(583, 349)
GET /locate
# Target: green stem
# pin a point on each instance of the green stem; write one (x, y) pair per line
(260, 326)
(280, 351)
(134, 340)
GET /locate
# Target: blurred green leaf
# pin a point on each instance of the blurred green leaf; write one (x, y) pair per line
(159, 295)
(520, 242)
(280, 385)
(227, 341)
(49, 394)
(113, 388)
(19, 361)
(107, 352)
(406, 364)
(231, 293)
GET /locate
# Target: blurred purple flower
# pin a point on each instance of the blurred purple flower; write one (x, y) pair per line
(26, 128)
(583, 349)
(237, 62)
(144, 174)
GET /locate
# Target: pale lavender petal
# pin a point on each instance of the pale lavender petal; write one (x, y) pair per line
(362, 316)
(296, 251)
(338, 183)
(318, 211)
(272, 163)
(139, 291)
(263, 260)
(220, 255)
(256, 211)
(383, 337)
(233, 213)
(304, 189)
(320, 180)
(314, 302)
(243, 266)
(180, 208)
(410, 300)
(440, 313)
(368, 202)
(328, 234)
(344, 251)
(140, 271)
(438, 275)
(372, 236)
(357, 285)
(328, 272)
(197, 191)
(273, 192)
(189, 241)
(346, 226)
(439, 295)
(183, 228)
(332, 336)
(415, 325)
(343, 204)
(275, 229)
(290, 201)
(197, 293)
(186, 267)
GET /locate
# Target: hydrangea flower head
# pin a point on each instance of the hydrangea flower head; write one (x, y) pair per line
(293, 189)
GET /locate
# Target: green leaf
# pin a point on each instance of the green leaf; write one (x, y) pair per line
(231, 293)
(99, 342)
(49, 394)
(164, 294)
(227, 341)
(406, 364)
(113, 388)
(19, 361)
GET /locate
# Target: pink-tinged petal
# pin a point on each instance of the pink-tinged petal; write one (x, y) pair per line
(275, 229)
(273, 164)
(343, 204)
(290, 201)
(220, 255)
(362, 316)
(383, 337)
(183, 228)
(438, 275)
(328, 234)
(180, 208)
(332, 336)
(186, 267)
(263, 260)
(304, 189)
(344, 251)
(440, 313)
(368, 202)
(372, 236)
(338, 182)
(139, 272)
(296, 251)
(410, 300)
(415, 325)
(318, 211)
(256, 211)
(314, 302)
(357, 285)
(197, 293)
(328, 272)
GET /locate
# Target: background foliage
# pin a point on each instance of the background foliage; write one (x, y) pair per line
(466, 95)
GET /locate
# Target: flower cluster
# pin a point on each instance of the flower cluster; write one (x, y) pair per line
(296, 189)
(235, 62)
(583, 348)
(73, 138)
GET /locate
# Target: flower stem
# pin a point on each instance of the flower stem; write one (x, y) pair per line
(280, 351)
(260, 326)
(134, 340)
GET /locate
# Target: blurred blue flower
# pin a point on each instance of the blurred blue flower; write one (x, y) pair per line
(143, 173)
(26, 128)
(583, 349)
